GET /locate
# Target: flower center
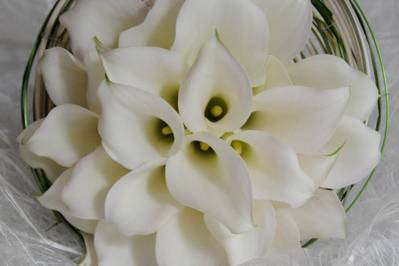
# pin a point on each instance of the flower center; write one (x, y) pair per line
(237, 146)
(202, 148)
(216, 109)
(166, 131)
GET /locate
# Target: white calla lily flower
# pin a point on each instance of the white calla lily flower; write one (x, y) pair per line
(273, 167)
(208, 165)
(302, 117)
(100, 18)
(50, 168)
(359, 155)
(136, 126)
(216, 95)
(191, 241)
(196, 141)
(140, 203)
(290, 23)
(276, 75)
(91, 179)
(68, 133)
(321, 217)
(158, 28)
(198, 20)
(116, 249)
(331, 72)
(318, 167)
(287, 236)
(95, 76)
(52, 200)
(253, 244)
(64, 76)
(155, 70)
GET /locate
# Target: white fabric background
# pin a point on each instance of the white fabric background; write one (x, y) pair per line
(30, 235)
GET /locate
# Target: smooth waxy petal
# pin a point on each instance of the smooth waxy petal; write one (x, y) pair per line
(95, 76)
(290, 23)
(100, 18)
(317, 167)
(276, 75)
(185, 240)
(250, 245)
(304, 118)
(218, 172)
(132, 125)
(287, 236)
(155, 70)
(217, 76)
(64, 77)
(158, 28)
(51, 169)
(116, 249)
(331, 72)
(323, 216)
(68, 133)
(52, 200)
(274, 168)
(358, 156)
(91, 179)
(242, 27)
(140, 202)
(90, 257)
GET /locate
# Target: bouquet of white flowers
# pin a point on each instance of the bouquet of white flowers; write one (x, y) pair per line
(190, 132)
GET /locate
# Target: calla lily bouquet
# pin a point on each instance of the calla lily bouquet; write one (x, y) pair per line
(184, 134)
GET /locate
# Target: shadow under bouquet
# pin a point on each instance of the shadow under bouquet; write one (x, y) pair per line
(200, 132)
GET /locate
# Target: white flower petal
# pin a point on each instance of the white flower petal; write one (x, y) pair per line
(290, 23)
(131, 125)
(249, 245)
(185, 241)
(276, 75)
(50, 168)
(64, 77)
(331, 72)
(91, 179)
(100, 18)
(242, 26)
(152, 69)
(52, 200)
(68, 133)
(90, 257)
(95, 76)
(287, 238)
(158, 28)
(317, 166)
(323, 216)
(218, 173)
(274, 168)
(304, 118)
(140, 203)
(215, 75)
(115, 249)
(359, 155)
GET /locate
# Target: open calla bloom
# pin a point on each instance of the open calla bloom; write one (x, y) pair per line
(290, 23)
(229, 18)
(330, 72)
(158, 28)
(188, 136)
(216, 95)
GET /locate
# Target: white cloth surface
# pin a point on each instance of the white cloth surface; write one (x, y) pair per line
(31, 235)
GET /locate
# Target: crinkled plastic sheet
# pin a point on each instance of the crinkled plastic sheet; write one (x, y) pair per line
(32, 235)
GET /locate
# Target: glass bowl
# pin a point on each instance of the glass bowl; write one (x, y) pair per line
(339, 28)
